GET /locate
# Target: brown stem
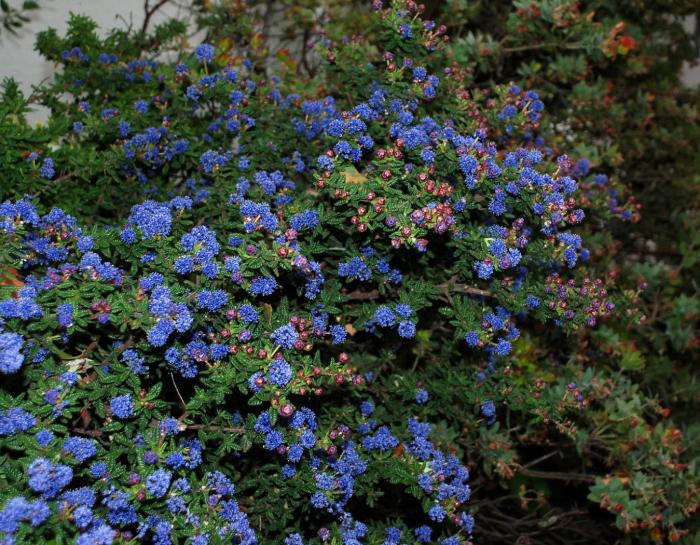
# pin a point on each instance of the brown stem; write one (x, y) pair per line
(541, 459)
(542, 45)
(90, 433)
(215, 428)
(129, 342)
(89, 348)
(359, 295)
(55, 181)
(304, 51)
(149, 11)
(463, 288)
(227, 429)
(63, 177)
(177, 391)
(555, 475)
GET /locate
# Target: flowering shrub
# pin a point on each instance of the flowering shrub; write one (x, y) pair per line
(240, 308)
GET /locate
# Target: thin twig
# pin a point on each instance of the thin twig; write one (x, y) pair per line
(207, 427)
(149, 11)
(463, 288)
(359, 295)
(541, 459)
(555, 475)
(544, 45)
(177, 390)
(89, 349)
(89, 433)
(126, 344)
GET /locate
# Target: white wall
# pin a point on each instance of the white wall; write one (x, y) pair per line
(691, 74)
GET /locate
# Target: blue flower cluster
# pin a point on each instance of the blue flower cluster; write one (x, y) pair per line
(170, 316)
(201, 247)
(195, 304)
(11, 357)
(122, 406)
(151, 218)
(362, 268)
(385, 317)
(285, 336)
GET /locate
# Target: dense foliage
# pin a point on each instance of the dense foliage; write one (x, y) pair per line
(394, 281)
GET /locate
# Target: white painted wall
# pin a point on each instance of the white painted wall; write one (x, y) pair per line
(691, 74)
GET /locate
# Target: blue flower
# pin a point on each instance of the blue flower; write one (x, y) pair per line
(248, 314)
(98, 470)
(404, 310)
(262, 285)
(306, 220)
(80, 447)
(153, 218)
(193, 93)
(488, 409)
(122, 406)
(437, 513)
(419, 73)
(285, 336)
(19, 509)
(82, 516)
(48, 479)
(11, 357)
(24, 308)
(407, 329)
(385, 316)
(356, 268)
(502, 347)
(141, 106)
(382, 440)
(15, 420)
(212, 161)
(421, 396)
(338, 334)
(204, 53)
(294, 539)
(273, 439)
(472, 338)
(184, 264)
(466, 521)
(100, 534)
(47, 169)
(65, 315)
(498, 205)
(280, 372)
(423, 534)
(212, 299)
(44, 438)
(169, 426)
(135, 362)
(158, 483)
(158, 335)
(532, 302)
(498, 247)
(484, 269)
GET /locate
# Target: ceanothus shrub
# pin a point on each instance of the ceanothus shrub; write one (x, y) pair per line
(193, 362)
